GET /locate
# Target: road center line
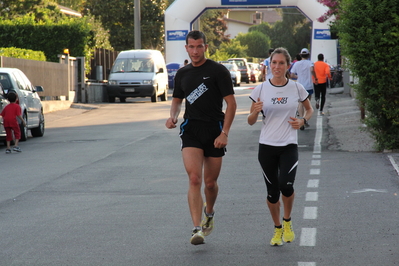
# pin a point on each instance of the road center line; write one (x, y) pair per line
(306, 263)
(312, 196)
(308, 237)
(310, 213)
(313, 183)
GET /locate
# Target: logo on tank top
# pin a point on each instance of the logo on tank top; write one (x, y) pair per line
(280, 100)
(195, 94)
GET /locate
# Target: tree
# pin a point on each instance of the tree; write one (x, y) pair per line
(292, 33)
(258, 43)
(234, 48)
(213, 25)
(118, 17)
(41, 9)
(369, 36)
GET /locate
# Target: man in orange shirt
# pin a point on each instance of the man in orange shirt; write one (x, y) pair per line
(320, 84)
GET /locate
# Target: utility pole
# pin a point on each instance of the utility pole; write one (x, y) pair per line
(137, 25)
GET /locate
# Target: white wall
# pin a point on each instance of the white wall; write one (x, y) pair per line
(180, 15)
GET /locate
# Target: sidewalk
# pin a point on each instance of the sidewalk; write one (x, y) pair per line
(346, 130)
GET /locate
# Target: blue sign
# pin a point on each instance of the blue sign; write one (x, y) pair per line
(172, 69)
(251, 2)
(176, 35)
(322, 34)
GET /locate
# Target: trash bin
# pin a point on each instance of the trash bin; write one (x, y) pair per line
(172, 69)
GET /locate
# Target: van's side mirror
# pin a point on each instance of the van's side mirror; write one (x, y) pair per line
(160, 70)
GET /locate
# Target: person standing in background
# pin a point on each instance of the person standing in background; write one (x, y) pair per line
(322, 70)
(266, 72)
(303, 71)
(10, 114)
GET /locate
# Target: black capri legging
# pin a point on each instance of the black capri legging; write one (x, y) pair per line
(279, 166)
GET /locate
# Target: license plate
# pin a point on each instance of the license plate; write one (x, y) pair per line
(129, 90)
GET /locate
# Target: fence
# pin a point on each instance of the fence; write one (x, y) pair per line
(52, 76)
(100, 64)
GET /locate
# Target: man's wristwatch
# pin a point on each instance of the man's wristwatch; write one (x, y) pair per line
(304, 120)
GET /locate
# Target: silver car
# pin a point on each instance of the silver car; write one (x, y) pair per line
(13, 79)
(234, 72)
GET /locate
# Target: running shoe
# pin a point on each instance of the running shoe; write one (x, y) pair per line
(207, 223)
(17, 149)
(277, 238)
(197, 237)
(288, 234)
(321, 113)
(8, 151)
(317, 104)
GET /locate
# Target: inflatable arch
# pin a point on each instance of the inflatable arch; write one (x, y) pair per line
(179, 18)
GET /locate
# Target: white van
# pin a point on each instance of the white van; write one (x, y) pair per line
(138, 73)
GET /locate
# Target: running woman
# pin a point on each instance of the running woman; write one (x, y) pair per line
(277, 100)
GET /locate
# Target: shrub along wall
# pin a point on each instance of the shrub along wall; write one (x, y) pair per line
(49, 37)
(22, 53)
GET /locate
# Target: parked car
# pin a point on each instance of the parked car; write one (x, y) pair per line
(234, 72)
(255, 72)
(243, 67)
(13, 79)
(138, 73)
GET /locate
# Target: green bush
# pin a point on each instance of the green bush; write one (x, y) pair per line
(369, 36)
(50, 37)
(22, 53)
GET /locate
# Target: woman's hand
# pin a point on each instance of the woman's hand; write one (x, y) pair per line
(296, 123)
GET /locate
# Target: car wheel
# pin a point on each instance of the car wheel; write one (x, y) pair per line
(39, 131)
(111, 99)
(164, 96)
(154, 97)
(24, 130)
(122, 99)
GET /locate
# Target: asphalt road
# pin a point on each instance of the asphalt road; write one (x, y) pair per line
(107, 187)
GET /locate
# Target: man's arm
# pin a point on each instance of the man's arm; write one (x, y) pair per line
(230, 112)
(174, 113)
(222, 139)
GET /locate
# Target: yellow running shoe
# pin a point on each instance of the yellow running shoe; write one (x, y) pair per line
(288, 234)
(207, 223)
(277, 238)
(197, 237)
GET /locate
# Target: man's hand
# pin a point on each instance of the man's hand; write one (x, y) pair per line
(171, 123)
(221, 141)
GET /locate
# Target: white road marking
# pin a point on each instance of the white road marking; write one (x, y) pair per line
(313, 183)
(370, 190)
(316, 156)
(312, 196)
(310, 213)
(315, 162)
(319, 135)
(306, 263)
(308, 237)
(394, 164)
(314, 172)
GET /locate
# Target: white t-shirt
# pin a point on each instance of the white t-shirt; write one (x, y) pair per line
(279, 104)
(266, 63)
(302, 70)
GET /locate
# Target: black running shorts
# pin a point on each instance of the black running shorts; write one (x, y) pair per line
(202, 135)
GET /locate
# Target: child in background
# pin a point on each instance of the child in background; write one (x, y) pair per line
(10, 122)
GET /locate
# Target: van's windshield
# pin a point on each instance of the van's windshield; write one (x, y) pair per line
(122, 65)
